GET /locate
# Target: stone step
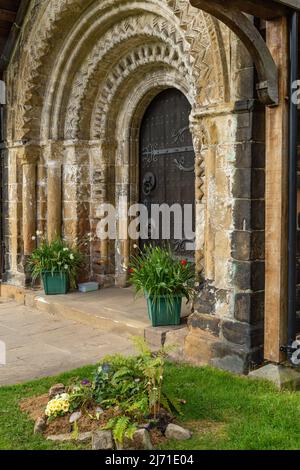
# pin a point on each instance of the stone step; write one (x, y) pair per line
(110, 310)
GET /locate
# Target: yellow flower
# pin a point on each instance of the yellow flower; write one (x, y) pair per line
(59, 404)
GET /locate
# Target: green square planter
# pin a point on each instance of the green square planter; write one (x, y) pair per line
(163, 314)
(55, 283)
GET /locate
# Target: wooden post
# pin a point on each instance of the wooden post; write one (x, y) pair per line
(277, 158)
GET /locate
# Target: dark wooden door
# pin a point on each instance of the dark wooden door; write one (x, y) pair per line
(167, 163)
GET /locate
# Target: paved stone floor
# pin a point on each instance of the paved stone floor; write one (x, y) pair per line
(39, 344)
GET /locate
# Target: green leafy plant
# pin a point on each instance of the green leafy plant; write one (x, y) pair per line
(155, 271)
(120, 382)
(81, 396)
(153, 366)
(56, 256)
(121, 427)
(133, 387)
(129, 390)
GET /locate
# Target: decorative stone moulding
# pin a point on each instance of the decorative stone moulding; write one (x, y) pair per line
(243, 27)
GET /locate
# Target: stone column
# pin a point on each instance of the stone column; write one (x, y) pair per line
(122, 206)
(70, 182)
(29, 206)
(13, 199)
(54, 203)
(200, 141)
(102, 192)
(29, 158)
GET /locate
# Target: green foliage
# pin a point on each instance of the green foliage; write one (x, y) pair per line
(156, 272)
(81, 396)
(56, 256)
(121, 427)
(225, 412)
(120, 382)
(133, 386)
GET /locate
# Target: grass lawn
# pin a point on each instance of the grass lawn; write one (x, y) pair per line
(224, 411)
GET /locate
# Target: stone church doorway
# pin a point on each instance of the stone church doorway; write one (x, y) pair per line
(167, 172)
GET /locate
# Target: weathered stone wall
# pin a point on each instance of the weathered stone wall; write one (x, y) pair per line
(79, 83)
(226, 329)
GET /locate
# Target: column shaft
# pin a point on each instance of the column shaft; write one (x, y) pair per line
(54, 200)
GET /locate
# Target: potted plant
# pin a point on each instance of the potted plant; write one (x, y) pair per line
(164, 280)
(57, 264)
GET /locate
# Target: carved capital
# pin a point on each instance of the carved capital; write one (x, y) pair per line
(57, 151)
(29, 154)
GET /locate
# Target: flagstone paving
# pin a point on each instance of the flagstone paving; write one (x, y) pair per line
(40, 344)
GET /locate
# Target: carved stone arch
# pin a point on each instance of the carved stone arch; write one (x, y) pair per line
(62, 15)
(53, 49)
(131, 76)
(113, 26)
(37, 52)
(202, 30)
(125, 113)
(137, 101)
(108, 73)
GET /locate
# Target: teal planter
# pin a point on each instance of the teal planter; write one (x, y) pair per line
(162, 313)
(55, 283)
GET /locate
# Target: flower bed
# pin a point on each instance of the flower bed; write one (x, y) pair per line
(124, 406)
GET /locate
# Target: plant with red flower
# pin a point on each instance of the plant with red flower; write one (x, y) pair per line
(156, 272)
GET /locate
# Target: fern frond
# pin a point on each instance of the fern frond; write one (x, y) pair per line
(140, 405)
(130, 431)
(120, 428)
(141, 346)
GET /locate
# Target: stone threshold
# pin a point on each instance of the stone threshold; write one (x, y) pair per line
(109, 309)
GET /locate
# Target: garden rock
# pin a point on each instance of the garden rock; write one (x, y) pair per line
(102, 440)
(177, 433)
(83, 437)
(56, 389)
(75, 417)
(60, 438)
(40, 425)
(141, 441)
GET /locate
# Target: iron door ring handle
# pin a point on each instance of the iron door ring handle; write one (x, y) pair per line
(149, 183)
